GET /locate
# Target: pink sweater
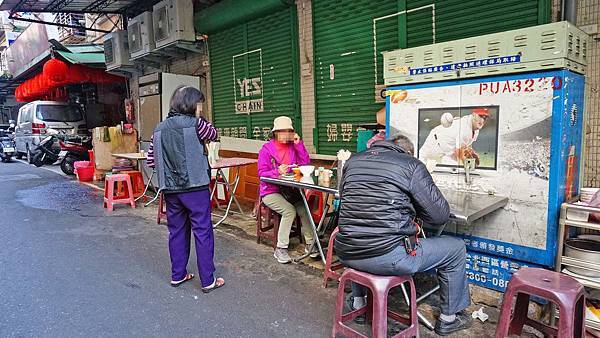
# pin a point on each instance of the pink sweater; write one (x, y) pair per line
(269, 161)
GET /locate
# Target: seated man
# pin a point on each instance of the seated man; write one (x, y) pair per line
(384, 190)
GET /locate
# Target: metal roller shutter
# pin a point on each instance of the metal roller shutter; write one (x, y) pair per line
(349, 36)
(259, 58)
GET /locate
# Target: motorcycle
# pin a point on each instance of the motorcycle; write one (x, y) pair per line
(64, 148)
(7, 144)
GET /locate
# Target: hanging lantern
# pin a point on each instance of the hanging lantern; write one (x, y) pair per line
(78, 74)
(55, 70)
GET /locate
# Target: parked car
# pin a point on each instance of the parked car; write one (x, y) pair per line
(38, 116)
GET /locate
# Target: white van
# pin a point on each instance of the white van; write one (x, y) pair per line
(37, 116)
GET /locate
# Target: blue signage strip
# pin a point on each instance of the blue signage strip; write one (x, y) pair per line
(502, 60)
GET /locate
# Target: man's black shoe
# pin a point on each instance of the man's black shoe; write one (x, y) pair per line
(350, 304)
(462, 321)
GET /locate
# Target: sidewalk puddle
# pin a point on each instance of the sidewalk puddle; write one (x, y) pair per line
(22, 177)
(57, 196)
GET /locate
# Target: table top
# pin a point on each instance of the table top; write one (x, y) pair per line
(232, 162)
(313, 183)
(131, 156)
(466, 207)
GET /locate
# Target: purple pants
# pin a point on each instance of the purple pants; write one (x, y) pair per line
(186, 212)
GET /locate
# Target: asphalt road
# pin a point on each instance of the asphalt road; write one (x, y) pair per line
(70, 269)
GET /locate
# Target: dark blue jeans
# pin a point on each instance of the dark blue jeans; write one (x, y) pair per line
(446, 254)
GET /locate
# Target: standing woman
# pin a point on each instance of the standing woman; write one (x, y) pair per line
(177, 152)
(274, 159)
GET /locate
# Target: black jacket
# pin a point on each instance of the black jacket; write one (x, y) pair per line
(383, 189)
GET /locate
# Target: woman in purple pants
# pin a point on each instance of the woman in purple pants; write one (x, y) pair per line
(178, 155)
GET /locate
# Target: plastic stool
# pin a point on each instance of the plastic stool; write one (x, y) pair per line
(377, 305)
(137, 180)
(560, 289)
(216, 201)
(267, 224)
(316, 202)
(109, 191)
(162, 208)
(330, 268)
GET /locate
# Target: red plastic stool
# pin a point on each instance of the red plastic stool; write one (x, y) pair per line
(267, 224)
(216, 201)
(109, 191)
(316, 202)
(137, 179)
(560, 289)
(162, 208)
(377, 305)
(330, 268)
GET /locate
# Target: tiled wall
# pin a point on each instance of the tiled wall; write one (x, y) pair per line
(588, 18)
(307, 79)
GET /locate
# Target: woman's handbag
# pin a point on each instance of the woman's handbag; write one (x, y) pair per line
(291, 195)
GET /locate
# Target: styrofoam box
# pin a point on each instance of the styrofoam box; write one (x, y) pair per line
(577, 215)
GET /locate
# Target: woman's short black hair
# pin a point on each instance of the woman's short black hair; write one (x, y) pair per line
(185, 99)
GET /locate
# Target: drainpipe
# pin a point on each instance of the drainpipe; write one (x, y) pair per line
(569, 12)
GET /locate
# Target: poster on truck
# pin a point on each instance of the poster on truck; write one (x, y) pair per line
(522, 131)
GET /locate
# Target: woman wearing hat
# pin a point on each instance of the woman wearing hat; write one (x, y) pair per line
(274, 159)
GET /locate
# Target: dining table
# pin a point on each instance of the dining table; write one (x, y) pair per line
(221, 179)
(139, 158)
(465, 208)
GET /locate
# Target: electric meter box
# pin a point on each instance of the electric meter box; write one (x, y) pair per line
(557, 45)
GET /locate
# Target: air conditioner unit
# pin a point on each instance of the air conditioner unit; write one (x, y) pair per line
(141, 35)
(116, 50)
(551, 46)
(173, 22)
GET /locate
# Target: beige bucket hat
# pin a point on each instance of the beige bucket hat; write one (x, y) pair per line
(282, 123)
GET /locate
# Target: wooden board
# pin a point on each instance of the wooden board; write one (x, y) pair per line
(103, 150)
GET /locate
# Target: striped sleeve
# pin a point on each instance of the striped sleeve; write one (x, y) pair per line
(206, 131)
(150, 154)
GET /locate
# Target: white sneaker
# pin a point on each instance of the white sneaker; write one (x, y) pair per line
(282, 255)
(315, 254)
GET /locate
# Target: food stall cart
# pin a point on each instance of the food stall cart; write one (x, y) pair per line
(500, 114)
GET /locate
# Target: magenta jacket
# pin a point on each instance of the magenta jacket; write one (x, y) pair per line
(269, 161)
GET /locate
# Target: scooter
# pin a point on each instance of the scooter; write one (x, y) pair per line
(77, 150)
(7, 144)
(62, 148)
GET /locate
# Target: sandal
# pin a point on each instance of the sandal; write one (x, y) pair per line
(188, 277)
(219, 282)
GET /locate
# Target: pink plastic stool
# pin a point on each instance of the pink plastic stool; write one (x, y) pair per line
(560, 289)
(377, 307)
(330, 268)
(109, 191)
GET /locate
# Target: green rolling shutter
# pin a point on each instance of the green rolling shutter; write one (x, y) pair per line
(349, 36)
(266, 46)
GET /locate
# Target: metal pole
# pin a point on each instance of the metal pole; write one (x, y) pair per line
(570, 14)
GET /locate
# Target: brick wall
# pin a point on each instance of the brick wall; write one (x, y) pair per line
(307, 80)
(588, 19)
